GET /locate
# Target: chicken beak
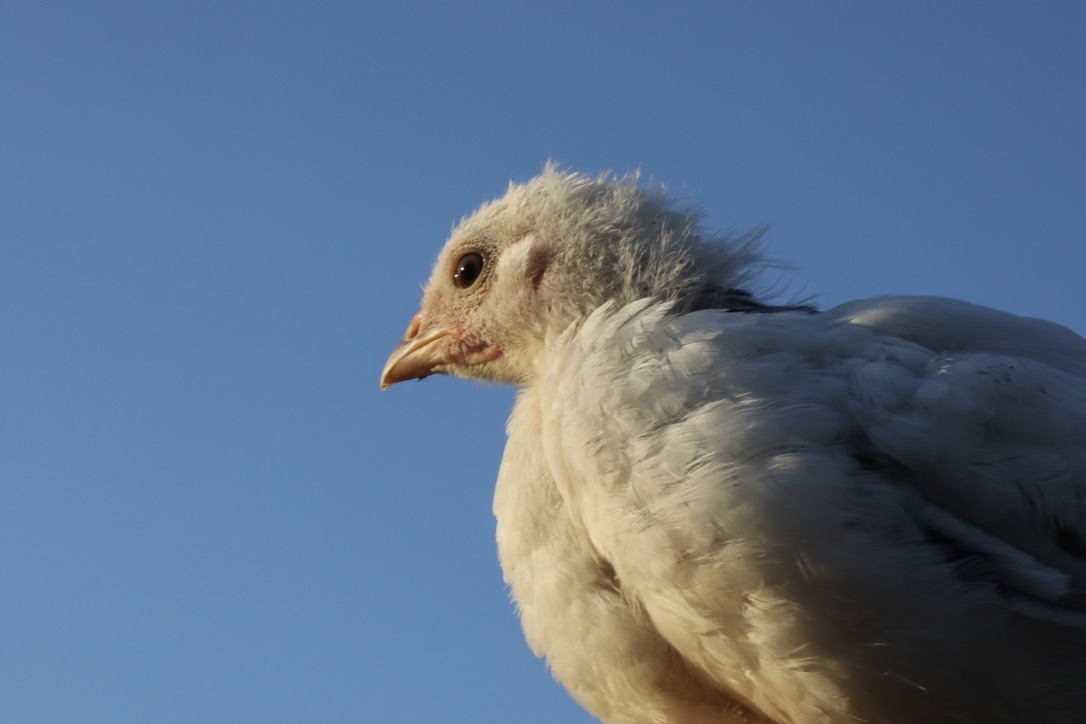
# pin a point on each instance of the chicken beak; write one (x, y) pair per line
(417, 355)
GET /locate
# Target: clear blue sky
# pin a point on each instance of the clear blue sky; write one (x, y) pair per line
(214, 219)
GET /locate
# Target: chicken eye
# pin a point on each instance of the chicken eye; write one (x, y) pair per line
(468, 270)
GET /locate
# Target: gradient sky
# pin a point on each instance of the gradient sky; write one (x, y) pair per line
(214, 219)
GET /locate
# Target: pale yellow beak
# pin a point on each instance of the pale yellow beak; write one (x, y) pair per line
(417, 355)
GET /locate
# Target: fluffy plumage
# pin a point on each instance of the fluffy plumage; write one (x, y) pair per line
(711, 509)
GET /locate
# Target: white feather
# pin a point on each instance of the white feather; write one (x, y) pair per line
(711, 459)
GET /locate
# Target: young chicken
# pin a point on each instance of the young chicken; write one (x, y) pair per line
(712, 509)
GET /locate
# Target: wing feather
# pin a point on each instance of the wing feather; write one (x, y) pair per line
(799, 501)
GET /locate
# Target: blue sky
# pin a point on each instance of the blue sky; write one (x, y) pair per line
(214, 220)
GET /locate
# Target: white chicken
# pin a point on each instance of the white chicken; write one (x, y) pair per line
(712, 509)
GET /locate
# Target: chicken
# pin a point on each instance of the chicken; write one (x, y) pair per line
(715, 509)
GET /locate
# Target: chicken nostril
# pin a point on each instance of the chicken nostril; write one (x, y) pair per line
(413, 327)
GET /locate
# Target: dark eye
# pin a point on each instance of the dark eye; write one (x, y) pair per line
(468, 270)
